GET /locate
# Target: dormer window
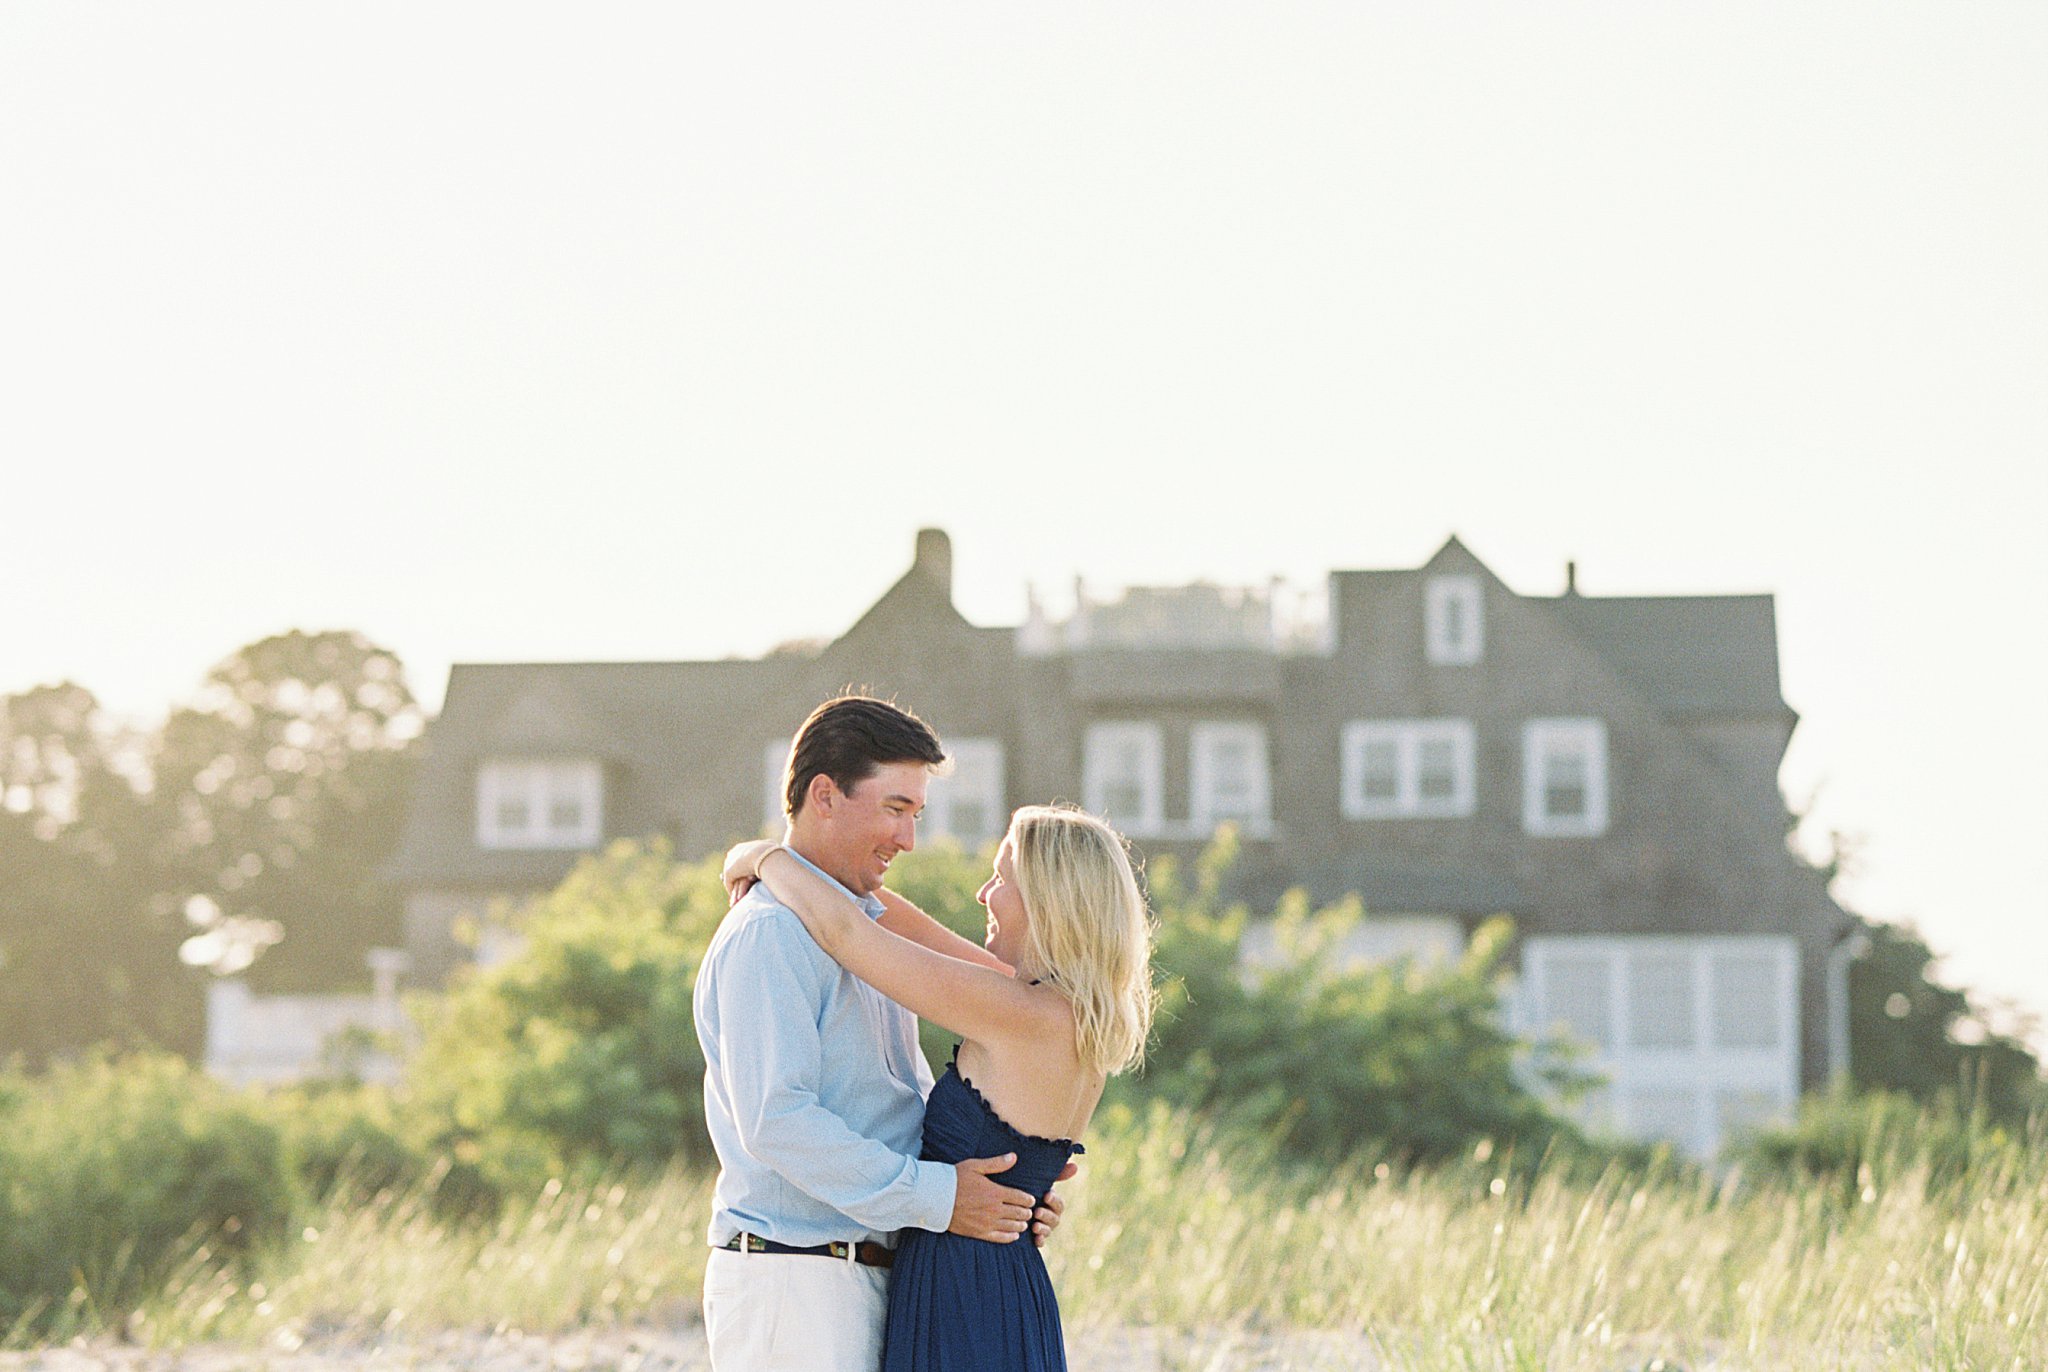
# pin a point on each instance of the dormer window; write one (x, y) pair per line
(530, 803)
(1564, 776)
(1455, 628)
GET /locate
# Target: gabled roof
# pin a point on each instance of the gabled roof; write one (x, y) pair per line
(1688, 655)
(663, 717)
(667, 724)
(599, 707)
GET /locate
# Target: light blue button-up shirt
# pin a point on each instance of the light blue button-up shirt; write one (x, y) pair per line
(814, 1089)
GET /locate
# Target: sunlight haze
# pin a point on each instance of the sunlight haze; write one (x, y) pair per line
(535, 333)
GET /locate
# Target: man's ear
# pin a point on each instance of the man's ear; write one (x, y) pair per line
(822, 794)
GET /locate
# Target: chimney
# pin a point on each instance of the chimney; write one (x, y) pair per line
(935, 556)
(1571, 578)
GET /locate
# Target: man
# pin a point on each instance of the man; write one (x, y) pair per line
(814, 1085)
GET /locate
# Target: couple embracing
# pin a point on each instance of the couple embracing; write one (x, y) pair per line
(864, 1216)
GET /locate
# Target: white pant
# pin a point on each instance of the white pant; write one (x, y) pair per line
(766, 1312)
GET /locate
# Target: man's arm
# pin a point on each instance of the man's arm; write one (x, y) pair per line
(770, 1064)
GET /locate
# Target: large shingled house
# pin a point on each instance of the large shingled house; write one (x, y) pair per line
(1603, 769)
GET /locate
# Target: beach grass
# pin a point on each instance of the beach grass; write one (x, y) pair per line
(1200, 1233)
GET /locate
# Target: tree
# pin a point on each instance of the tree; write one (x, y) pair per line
(275, 796)
(1910, 1034)
(87, 951)
(280, 792)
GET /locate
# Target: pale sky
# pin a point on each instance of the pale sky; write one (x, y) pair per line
(645, 331)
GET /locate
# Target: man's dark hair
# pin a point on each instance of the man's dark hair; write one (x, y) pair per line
(851, 738)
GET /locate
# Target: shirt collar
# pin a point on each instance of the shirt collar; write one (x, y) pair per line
(871, 904)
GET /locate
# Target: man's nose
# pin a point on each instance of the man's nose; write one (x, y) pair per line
(906, 837)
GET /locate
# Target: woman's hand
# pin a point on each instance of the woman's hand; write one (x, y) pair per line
(741, 860)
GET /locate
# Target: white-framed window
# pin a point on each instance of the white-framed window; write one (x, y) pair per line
(1564, 776)
(1454, 631)
(1407, 768)
(968, 805)
(1228, 777)
(1123, 775)
(1697, 1036)
(531, 803)
(774, 773)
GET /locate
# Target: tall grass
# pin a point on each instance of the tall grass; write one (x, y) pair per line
(567, 1257)
(1182, 1227)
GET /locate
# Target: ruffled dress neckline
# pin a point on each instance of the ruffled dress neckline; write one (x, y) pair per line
(1071, 1145)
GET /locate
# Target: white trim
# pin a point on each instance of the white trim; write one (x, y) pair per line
(774, 771)
(1206, 809)
(538, 786)
(1407, 738)
(1840, 957)
(1548, 742)
(975, 784)
(1107, 745)
(1455, 620)
(1686, 1081)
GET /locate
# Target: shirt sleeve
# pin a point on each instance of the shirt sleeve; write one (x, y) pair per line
(766, 998)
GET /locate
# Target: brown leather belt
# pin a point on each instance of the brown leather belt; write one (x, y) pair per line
(866, 1253)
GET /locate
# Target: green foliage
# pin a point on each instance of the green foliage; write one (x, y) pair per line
(87, 954)
(1403, 1059)
(112, 1173)
(1911, 1035)
(280, 790)
(346, 1143)
(1864, 1143)
(275, 796)
(941, 879)
(579, 1052)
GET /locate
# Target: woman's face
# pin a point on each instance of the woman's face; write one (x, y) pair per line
(1008, 926)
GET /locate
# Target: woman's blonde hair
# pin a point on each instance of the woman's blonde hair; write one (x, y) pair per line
(1089, 932)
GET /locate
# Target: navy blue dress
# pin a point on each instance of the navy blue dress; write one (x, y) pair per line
(961, 1305)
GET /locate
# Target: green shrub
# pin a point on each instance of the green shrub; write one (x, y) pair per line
(112, 1171)
(344, 1142)
(1872, 1141)
(1402, 1059)
(941, 879)
(579, 1053)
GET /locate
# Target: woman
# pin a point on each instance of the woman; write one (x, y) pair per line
(1038, 1040)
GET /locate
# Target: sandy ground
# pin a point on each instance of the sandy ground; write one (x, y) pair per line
(669, 1349)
